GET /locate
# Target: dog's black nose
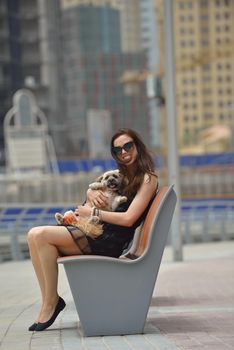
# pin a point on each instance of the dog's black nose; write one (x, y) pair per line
(112, 182)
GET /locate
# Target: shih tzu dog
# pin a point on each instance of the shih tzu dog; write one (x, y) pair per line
(111, 183)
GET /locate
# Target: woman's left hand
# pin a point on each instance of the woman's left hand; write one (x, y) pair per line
(83, 211)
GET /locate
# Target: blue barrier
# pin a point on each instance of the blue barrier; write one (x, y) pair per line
(200, 220)
(87, 165)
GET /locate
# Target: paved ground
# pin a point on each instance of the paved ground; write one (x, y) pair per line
(192, 307)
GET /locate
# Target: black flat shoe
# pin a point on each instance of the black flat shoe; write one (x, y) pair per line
(32, 327)
(59, 307)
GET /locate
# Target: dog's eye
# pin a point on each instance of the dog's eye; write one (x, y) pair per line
(115, 176)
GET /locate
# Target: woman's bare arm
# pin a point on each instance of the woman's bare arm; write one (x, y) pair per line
(135, 209)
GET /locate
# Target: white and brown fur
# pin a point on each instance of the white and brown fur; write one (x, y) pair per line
(111, 183)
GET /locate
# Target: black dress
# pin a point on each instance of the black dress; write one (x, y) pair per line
(115, 238)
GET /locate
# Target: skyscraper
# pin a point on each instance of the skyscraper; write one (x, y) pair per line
(31, 56)
(204, 49)
(72, 54)
(93, 65)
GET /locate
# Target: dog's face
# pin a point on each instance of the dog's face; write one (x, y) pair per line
(111, 179)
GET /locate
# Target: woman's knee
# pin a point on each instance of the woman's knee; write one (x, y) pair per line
(36, 234)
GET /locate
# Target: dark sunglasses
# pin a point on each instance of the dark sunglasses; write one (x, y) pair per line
(127, 147)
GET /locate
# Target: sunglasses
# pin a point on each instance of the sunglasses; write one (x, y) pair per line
(127, 147)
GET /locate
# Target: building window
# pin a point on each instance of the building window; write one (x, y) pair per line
(204, 3)
(204, 29)
(207, 116)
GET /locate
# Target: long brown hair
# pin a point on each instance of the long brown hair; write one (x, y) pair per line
(144, 163)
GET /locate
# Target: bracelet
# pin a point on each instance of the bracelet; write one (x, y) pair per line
(95, 212)
(100, 215)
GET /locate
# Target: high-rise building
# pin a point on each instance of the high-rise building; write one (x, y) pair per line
(10, 69)
(129, 19)
(72, 55)
(204, 51)
(150, 44)
(31, 57)
(93, 65)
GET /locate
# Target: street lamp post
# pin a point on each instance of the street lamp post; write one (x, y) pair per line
(173, 163)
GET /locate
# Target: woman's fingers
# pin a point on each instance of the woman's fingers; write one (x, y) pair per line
(100, 200)
(97, 198)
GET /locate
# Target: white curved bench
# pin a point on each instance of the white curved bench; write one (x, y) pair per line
(112, 296)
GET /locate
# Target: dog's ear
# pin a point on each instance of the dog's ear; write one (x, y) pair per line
(99, 179)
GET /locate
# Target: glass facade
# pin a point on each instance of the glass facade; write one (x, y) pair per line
(10, 58)
(94, 63)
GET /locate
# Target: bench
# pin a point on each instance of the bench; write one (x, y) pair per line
(112, 296)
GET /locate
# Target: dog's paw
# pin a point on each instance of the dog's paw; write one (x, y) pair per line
(122, 199)
(94, 219)
(59, 218)
(96, 186)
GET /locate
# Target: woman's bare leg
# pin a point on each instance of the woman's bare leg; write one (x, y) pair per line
(49, 241)
(36, 261)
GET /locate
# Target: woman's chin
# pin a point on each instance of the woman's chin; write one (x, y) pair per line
(128, 161)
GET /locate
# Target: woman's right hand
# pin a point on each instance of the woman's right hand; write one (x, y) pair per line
(96, 198)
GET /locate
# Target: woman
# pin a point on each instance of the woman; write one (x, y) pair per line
(47, 243)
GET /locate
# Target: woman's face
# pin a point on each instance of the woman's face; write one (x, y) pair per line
(125, 149)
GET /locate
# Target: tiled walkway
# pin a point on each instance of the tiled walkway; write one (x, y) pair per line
(192, 307)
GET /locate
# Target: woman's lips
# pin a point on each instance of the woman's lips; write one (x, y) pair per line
(126, 158)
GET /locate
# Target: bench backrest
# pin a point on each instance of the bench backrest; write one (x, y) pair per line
(146, 228)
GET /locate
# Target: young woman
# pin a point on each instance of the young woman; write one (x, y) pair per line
(47, 243)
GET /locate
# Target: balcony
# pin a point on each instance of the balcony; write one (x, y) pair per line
(29, 14)
(3, 10)
(31, 59)
(27, 37)
(4, 34)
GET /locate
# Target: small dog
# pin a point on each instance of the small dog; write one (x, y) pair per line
(111, 183)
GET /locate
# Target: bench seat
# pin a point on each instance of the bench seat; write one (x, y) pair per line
(112, 296)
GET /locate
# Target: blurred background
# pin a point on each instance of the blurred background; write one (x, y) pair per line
(74, 71)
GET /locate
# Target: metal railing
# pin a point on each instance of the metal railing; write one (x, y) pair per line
(45, 188)
(71, 187)
(207, 220)
(201, 221)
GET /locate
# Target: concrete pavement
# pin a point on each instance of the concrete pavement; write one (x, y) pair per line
(192, 307)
